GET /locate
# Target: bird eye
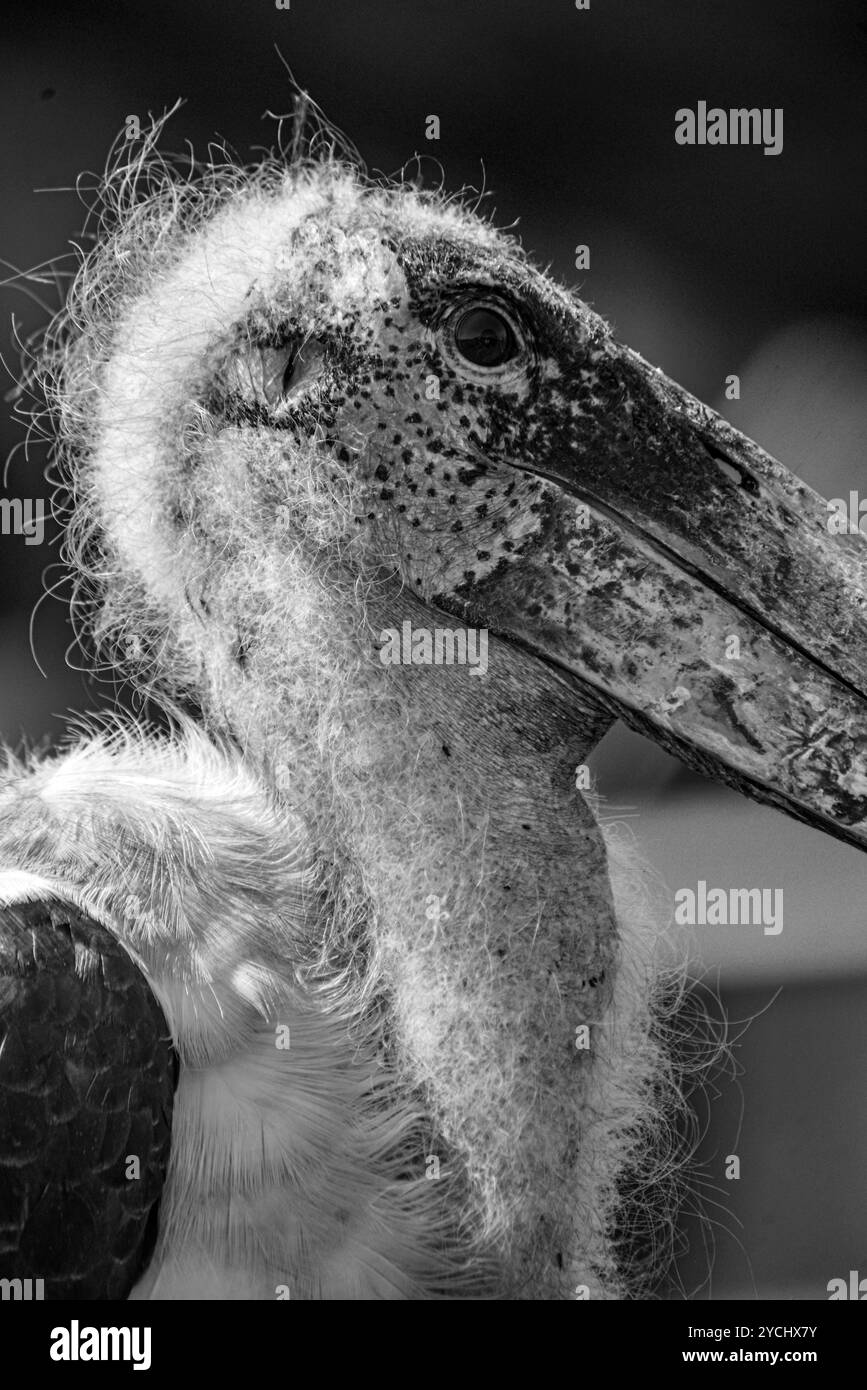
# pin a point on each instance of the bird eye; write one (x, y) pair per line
(485, 338)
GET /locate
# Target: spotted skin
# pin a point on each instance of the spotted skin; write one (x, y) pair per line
(435, 437)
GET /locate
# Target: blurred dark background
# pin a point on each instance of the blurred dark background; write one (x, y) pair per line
(709, 261)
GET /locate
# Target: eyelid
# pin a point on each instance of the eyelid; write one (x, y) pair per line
(460, 298)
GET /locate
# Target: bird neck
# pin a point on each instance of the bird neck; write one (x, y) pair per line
(446, 803)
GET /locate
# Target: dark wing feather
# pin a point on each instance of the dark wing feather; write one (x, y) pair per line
(87, 1079)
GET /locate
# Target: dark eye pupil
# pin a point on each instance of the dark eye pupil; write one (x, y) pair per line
(484, 338)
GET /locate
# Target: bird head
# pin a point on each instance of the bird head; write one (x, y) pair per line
(384, 382)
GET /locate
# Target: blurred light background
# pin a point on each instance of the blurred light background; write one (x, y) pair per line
(709, 261)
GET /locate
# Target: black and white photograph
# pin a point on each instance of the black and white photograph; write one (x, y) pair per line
(433, 664)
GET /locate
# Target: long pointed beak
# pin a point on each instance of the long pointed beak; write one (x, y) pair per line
(695, 584)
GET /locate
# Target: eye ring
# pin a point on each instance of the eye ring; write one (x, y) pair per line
(484, 336)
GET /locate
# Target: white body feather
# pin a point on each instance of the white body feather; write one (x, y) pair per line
(289, 1140)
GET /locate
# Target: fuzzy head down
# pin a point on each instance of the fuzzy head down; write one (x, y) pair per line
(274, 455)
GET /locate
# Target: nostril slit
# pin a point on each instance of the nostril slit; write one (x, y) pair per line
(730, 471)
(735, 472)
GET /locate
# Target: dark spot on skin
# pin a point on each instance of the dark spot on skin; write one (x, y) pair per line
(447, 751)
(381, 473)
(783, 570)
(723, 692)
(468, 476)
